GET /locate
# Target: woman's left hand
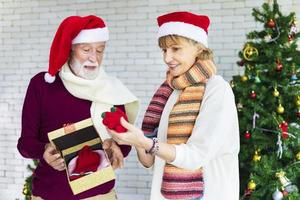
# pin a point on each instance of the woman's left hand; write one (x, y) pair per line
(134, 136)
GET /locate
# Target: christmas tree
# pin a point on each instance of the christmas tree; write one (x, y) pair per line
(27, 188)
(268, 103)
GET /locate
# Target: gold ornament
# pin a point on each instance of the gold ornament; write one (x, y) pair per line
(244, 78)
(256, 157)
(250, 52)
(25, 191)
(283, 179)
(232, 84)
(275, 93)
(298, 156)
(280, 109)
(286, 183)
(298, 101)
(250, 67)
(251, 185)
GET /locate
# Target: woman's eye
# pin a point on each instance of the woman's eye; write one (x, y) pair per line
(86, 50)
(164, 50)
(175, 48)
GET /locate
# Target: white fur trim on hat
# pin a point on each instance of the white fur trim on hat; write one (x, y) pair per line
(48, 78)
(183, 29)
(92, 35)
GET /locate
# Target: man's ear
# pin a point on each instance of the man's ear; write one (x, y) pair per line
(71, 54)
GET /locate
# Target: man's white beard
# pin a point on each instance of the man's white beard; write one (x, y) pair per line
(79, 69)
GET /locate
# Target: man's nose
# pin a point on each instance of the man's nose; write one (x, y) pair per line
(93, 56)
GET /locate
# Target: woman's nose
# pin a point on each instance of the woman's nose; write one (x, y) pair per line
(168, 56)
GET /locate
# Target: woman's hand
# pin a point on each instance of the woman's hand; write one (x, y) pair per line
(53, 158)
(134, 136)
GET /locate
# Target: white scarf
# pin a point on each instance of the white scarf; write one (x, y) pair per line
(104, 92)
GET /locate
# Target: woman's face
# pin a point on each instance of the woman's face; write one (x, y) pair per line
(179, 56)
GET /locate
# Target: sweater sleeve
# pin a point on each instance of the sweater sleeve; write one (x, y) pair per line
(215, 132)
(125, 149)
(29, 144)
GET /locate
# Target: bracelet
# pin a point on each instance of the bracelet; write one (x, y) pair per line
(154, 148)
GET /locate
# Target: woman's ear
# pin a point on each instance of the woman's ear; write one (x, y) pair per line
(199, 49)
(199, 52)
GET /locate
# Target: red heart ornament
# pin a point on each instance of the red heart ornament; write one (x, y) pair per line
(87, 161)
(112, 120)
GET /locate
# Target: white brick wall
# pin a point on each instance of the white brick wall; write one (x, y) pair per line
(27, 28)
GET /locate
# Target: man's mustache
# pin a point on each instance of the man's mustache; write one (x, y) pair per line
(90, 64)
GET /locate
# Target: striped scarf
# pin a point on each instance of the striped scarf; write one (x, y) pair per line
(180, 183)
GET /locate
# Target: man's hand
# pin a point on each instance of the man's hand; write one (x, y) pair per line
(53, 158)
(114, 153)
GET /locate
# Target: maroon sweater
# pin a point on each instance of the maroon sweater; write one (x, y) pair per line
(48, 107)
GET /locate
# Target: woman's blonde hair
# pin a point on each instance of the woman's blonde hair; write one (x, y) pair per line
(205, 54)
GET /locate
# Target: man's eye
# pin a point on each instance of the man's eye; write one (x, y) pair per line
(99, 51)
(86, 50)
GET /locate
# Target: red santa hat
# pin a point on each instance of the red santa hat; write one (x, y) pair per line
(73, 30)
(184, 24)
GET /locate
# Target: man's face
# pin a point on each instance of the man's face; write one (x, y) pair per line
(86, 59)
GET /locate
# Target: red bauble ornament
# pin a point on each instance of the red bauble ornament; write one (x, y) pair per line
(285, 193)
(284, 129)
(279, 67)
(247, 135)
(241, 63)
(253, 95)
(248, 192)
(298, 115)
(284, 135)
(271, 23)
